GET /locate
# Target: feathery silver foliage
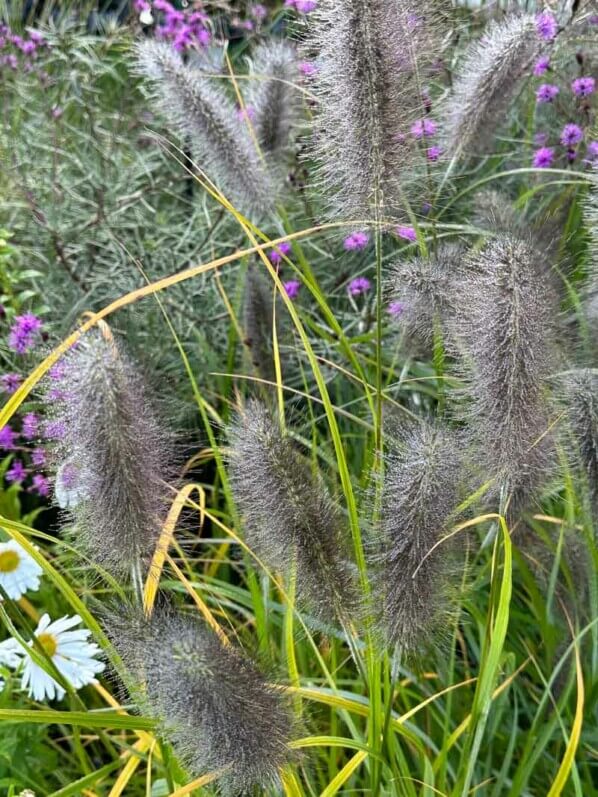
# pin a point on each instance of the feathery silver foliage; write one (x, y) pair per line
(113, 455)
(208, 120)
(274, 99)
(372, 58)
(505, 330)
(419, 498)
(425, 289)
(488, 78)
(211, 702)
(290, 520)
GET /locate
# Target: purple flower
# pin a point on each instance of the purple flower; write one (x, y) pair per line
(572, 134)
(540, 139)
(7, 438)
(547, 92)
(38, 457)
(424, 128)
(292, 288)
(542, 66)
(543, 157)
(583, 86)
(54, 430)
(302, 6)
(282, 250)
(142, 5)
(41, 485)
(17, 472)
(356, 241)
(23, 332)
(395, 308)
(407, 233)
(359, 285)
(246, 113)
(10, 382)
(433, 153)
(546, 25)
(571, 155)
(258, 11)
(30, 427)
(592, 151)
(308, 68)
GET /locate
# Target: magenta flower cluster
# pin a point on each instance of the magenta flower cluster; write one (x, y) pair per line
(423, 129)
(356, 241)
(19, 50)
(185, 29)
(24, 333)
(302, 6)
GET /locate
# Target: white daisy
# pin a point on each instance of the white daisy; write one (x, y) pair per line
(11, 655)
(71, 654)
(19, 572)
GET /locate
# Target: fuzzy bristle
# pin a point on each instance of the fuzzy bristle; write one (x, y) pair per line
(289, 519)
(259, 319)
(113, 455)
(424, 287)
(486, 83)
(372, 57)
(273, 98)
(207, 118)
(506, 333)
(419, 499)
(211, 702)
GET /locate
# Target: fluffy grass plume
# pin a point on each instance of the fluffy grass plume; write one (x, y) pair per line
(212, 703)
(208, 120)
(113, 455)
(289, 519)
(581, 398)
(274, 100)
(486, 83)
(372, 58)
(258, 319)
(420, 495)
(505, 329)
(424, 288)
(590, 304)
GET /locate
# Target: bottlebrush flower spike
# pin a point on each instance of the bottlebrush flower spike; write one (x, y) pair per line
(112, 458)
(259, 319)
(581, 398)
(424, 287)
(274, 99)
(206, 117)
(211, 702)
(372, 57)
(486, 83)
(290, 520)
(505, 330)
(419, 498)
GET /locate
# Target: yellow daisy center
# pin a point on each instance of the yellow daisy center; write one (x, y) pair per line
(48, 643)
(9, 561)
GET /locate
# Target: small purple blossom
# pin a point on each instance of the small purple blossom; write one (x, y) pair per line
(547, 92)
(308, 68)
(542, 66)
(359, 285)
(258, 11)
(433, 153)
(10, 382)
(30, 427)
(302, 6)
(584, 86)
(543, 157)
(38, 457)
(407, 233)
(540, 139)
(276, 255)
(592, 152)
(572, 134)
(547, 26)
(292, 288)
(424, 128)
(571, 154)
(7, 438)
(356, 241)
(41, 485)
(23, 332)
(246, 113)
(17, 472)
(395, 309)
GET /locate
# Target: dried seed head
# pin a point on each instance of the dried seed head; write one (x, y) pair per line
(372, 58)
(273, 98)
(113, 455)
(487, 81)
(290, 520)
(207, 118)
(505, 330)
(425, 288)
(210, 700)
(419, 498)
